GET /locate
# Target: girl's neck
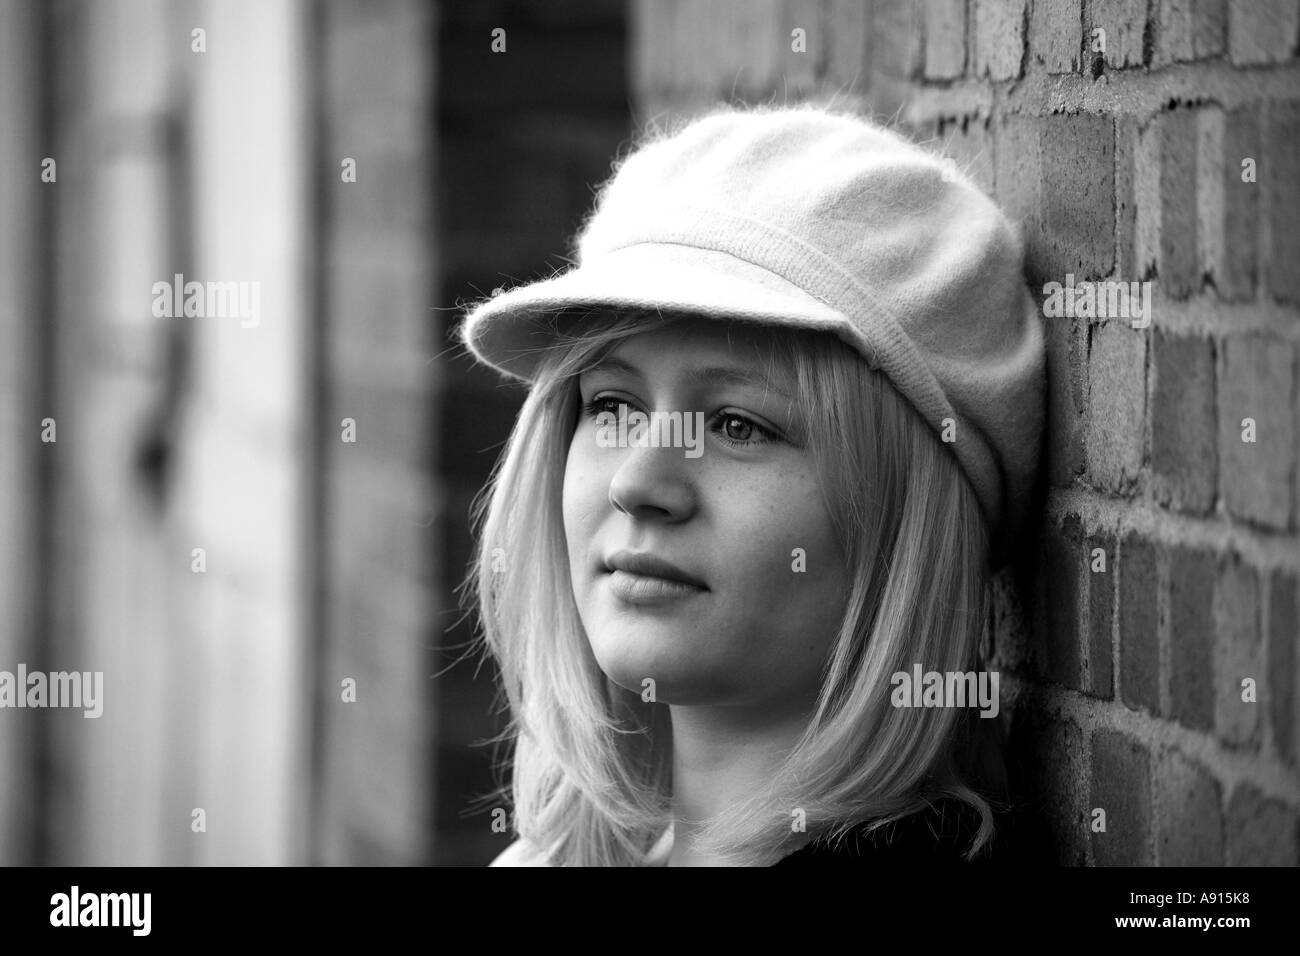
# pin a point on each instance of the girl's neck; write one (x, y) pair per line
(722, 756)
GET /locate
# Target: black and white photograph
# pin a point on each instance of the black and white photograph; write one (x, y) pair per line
(464, 434)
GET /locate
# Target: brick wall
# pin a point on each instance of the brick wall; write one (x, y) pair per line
(1165, 570)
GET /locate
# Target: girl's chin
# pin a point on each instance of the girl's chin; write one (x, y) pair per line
(649, 675)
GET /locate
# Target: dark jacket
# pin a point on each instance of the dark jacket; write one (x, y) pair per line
(939, 835)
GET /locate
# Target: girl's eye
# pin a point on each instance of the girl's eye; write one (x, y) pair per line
(599, 404)
(739, 430)
(736, 428)
(733, 428)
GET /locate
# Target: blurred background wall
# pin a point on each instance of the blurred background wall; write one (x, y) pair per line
(256, 529)
(523, 137)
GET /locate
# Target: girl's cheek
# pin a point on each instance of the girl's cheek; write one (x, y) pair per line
(586, 482)
(574, 478)
(757, 525)
(801, 539)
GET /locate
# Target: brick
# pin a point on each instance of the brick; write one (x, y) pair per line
(1121, 785)
(1262, 31)
(1189, 808)
(1209, 27)
(1056, 35)
(1126, 147)
(1139, 648)
(1279, 684)
(896, 39)
(945, 39)
(1099, 677)
(924, 129)
(1209, 186)
(1173, 33)
(1145, 156)
(1064, 567)
(1116, 406)
(1188, 30)
(1184, 440)
(1125, 23)
(1045, 762)
(1261, 830)
(1078, 169)
(1066, 369)
(968, 142)
(1281, 182)
(1256, 379)
(999, 38)
(1191, 638)
(1236, 269)
(1238, 654)
(1018, 185)
(1065, 788)
(1179, 268)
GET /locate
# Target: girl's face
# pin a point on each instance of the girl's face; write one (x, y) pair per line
(712, 569)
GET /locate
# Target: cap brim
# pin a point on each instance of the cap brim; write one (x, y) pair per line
(512, 330)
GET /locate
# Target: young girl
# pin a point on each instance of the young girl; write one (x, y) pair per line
(784, 417)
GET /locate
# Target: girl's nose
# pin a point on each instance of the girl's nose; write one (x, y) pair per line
(654, 484)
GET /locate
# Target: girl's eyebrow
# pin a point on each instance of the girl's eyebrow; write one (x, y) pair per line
(700, 375)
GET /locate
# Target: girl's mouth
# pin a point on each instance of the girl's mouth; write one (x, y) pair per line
(650, 566)
(647, 589)
(647, 579)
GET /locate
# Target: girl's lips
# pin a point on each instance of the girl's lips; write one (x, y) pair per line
(651, 566)
(644, 589)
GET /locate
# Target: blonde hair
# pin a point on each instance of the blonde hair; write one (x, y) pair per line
(591, 780)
